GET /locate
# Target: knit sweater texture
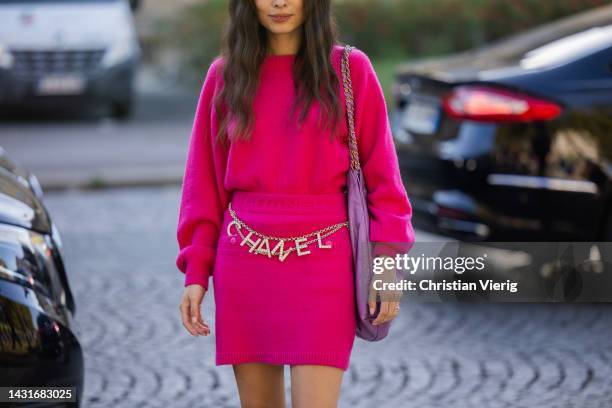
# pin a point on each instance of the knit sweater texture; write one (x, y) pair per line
(281, 158)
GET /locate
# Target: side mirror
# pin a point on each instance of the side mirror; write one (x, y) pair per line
(134, 4)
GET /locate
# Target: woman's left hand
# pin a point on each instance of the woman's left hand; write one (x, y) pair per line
(389, 299)
(388, 311)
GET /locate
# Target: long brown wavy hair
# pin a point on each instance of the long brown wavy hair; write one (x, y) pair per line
(243, 50)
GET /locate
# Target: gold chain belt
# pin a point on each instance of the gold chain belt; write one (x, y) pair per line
(261, 245)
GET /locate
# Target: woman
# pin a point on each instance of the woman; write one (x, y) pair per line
(263, 207)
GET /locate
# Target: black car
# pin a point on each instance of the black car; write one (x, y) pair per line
(507, 145)
(38, 345)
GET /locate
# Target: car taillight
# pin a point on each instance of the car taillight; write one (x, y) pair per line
(488, 104)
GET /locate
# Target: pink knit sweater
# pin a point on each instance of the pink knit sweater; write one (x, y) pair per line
(280, 158)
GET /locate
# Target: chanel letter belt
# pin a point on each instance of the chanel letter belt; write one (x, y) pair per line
(261, 245)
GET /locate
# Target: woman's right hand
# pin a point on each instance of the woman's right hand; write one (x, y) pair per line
(190, 310)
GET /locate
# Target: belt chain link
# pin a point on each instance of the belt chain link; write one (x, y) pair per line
(257, 246)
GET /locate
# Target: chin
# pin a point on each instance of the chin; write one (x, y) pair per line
(283, 30)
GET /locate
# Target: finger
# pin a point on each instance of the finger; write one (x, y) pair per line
(372, 300)
(393, 310)
(186, 318)
(372, 307)
(389, 314)
(203, 327)
(382, 315)
(196, 318)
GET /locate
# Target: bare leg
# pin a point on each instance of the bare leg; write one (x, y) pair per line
(315, 386)
(260, 385)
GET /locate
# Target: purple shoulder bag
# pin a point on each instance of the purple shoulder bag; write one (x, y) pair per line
(359, 224)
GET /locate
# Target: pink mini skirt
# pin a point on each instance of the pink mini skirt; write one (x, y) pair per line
(298, 311)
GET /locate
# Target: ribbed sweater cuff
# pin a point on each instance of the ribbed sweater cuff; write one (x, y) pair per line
(196, 263)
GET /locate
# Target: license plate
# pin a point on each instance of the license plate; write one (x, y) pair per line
(60, 85)
(421, 117)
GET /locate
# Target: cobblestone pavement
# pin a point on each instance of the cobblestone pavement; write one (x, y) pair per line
(120, 249)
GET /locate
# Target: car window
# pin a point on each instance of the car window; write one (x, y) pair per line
(568, 48)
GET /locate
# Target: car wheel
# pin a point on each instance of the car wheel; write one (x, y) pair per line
(122, 109)
(606, 233)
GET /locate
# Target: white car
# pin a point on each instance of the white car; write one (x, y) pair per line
(54, 51)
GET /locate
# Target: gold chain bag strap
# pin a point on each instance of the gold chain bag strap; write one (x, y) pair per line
(359, 220)
(348, 93)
